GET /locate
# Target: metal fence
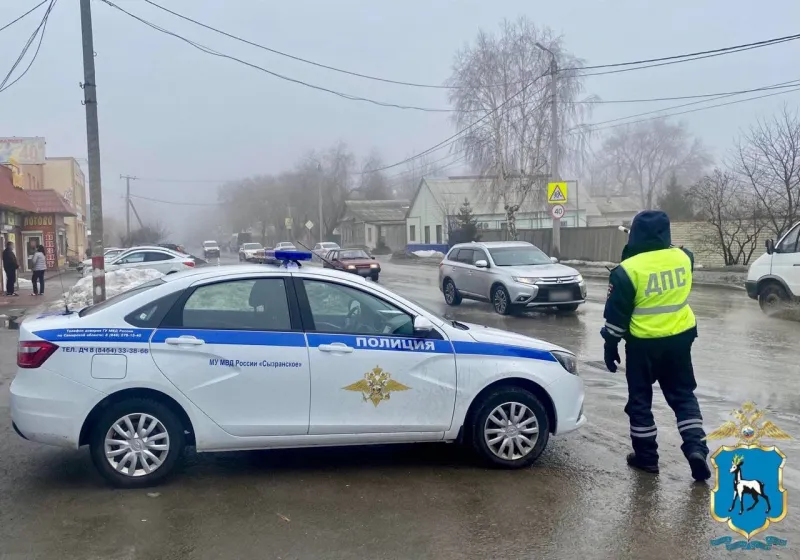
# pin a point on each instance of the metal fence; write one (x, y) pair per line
(603, 243)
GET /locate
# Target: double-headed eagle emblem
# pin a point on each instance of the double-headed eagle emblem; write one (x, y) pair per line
(377, 386)
(747, 430)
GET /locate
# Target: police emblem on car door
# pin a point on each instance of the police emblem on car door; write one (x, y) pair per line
(377, 386)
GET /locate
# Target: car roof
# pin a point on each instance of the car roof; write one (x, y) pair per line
(492, 244)
(223, 271)
(154, 248)
(209, 241)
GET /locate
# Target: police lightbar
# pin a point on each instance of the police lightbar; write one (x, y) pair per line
(288, 257)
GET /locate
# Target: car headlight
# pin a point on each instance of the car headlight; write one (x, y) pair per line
(568, 361)
(351, 267)
(580, 279)
(373, 266)
(523, 280)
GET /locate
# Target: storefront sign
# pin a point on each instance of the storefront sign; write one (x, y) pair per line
(50, 249)
(44, 220)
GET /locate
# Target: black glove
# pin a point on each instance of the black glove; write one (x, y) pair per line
(611, 356)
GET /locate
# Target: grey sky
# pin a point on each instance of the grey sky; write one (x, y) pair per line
(170, 111)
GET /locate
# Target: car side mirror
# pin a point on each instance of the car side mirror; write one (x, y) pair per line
(770, 246)
(422, 325)
(554, 260)
(482, 264)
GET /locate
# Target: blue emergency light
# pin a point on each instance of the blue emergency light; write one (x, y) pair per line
(288, 258)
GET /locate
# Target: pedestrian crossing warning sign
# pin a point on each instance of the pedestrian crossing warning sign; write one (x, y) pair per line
(556, 193)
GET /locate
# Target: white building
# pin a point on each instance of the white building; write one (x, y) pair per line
(436, 199)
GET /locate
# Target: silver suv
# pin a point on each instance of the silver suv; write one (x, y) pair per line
(511, 275)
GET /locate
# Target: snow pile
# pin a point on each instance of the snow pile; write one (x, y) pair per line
(429, 254)
(117, 281)
(597, 264)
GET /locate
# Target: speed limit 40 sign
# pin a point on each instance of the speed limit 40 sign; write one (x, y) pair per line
(557, 211)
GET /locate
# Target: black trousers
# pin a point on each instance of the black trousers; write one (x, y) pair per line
(670, 364)
(38, 275)
(11, 280)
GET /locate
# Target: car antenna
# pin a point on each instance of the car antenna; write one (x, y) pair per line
(321, 258)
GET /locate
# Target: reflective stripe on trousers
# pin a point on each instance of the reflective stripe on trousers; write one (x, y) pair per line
(644, 432)
(690, 424)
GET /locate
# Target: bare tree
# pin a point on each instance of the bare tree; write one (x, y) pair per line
(373, 184)
(641, 158)
(768, 158)
(734, 213)
(406, 183)
(149, 234)
(504, 77)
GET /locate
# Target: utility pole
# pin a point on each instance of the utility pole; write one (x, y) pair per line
(127, 205)
(93, 152)
(554, 175)
(319, 188)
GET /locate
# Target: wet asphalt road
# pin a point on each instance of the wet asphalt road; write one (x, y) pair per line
(426, 501)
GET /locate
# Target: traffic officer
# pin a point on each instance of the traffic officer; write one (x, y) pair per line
(648, 307)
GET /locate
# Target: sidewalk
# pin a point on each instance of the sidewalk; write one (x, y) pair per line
(12, 308)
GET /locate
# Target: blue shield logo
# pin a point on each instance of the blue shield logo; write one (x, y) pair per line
(749, 493)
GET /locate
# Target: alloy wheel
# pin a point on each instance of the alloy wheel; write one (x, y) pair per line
(137, 444)
(511, 431)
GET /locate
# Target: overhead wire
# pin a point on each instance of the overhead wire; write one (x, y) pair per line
(12, 22)
(40, 32)
(697, 55)
(174, 202)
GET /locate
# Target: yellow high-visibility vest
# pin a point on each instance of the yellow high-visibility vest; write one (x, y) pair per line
(662, 280)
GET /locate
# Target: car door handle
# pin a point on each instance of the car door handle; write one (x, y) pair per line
(336, 347)
(185, 341)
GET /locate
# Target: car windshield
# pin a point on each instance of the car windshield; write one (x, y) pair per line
(329, 245)
(353, 254)
(518, 256)
(120, 297)
(210, 244)
(251, 246)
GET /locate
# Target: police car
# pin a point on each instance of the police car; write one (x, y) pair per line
(253, 357)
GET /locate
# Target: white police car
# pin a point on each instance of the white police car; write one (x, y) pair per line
(254, 357)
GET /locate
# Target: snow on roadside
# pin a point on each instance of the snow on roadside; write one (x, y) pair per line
(593, 264)
(429, 254)
(117, 281)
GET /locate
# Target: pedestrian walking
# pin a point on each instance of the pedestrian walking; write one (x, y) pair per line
(648, 307)
(39, 266)
(10, 267)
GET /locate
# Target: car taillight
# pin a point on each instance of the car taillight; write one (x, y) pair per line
(189, 263)
(33, 354)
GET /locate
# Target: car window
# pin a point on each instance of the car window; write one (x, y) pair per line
(120, 297)
(342, 309)
(478, 255)
(519, 256)
(132, 258)
(252, 304)
(789, 244)
(465, 256)
(353, 254)
(152, 313)
(154, 256)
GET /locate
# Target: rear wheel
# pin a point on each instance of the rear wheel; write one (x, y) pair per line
(374, 276)
(451, 295)
(510, 428)
(501, 300)
(772, 298)
(136, 443)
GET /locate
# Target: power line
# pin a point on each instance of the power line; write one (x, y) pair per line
(161, 180)
(679, 97)
(41, 27)
(175, 202)
(212, 52)
(36, 7)
(698, 54)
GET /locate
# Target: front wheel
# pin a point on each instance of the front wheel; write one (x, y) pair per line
(510, 428)
(137, 443)
(501, 300)
(772, 298)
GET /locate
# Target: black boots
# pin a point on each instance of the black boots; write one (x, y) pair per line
(700, 470)
(636, 463)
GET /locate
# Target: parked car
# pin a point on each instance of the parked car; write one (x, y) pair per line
(254, 357)
(173, 247)
(162, 259)
(322, 249)
(356, 261)
(108, 255)
(211, 249)
(512, 275)
(248, 251)
(774, 278)
(285, 246)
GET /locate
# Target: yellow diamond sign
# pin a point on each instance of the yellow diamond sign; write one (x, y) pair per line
(557, 193)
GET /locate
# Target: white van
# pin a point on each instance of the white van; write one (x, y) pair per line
(774, 277)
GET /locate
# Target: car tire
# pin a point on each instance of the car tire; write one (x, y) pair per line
(375, 277)
(568, 307)
(501, 301)
(772, 298)
(451, 295)
(528, 419)
(135, 409)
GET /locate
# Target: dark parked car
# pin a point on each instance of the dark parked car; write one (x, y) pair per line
(356, 261)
